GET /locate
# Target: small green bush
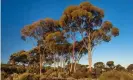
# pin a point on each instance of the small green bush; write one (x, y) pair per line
(116, 75)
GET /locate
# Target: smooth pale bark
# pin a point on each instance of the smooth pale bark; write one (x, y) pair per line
(75, 66)
(78, 59)
(71, 66)
(54, 62)
(73, 59)
(90, 60)
(89, 54)
(73, 51)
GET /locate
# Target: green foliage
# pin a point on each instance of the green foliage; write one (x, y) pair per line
(130, 68)
(115, 31)
(110, 64)
(9, 69)
(19, 57)
(116, 75)
(119, 68)
(99, 65)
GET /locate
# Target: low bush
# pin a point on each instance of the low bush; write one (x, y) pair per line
(27, 76)
(4, 75)
(10, 69)
(80, 74)
(21, 69)
(33, 69)
(116, 75)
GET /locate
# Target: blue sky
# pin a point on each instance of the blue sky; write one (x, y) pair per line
(18, 13)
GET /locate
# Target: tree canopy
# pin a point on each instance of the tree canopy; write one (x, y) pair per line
(57, 39)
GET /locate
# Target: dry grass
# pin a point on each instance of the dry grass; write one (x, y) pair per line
(116, 75)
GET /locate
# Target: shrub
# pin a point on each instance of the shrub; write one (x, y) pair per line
(80, 74)
(116, 75)
(130, 68)
(53, 74)
(27, 76)
(49, 71)
(3, 75)
(33, 69)
(36, 77)
(63, 74)
(15, 76)
(43, 78)
(21, 69)
(119, 68)
(10, 69)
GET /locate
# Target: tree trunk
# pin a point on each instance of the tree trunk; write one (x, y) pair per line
(90, 61)
(40, 65)
(89, 54)
(40, 62)
(73, 52)
(71, 66)
(75, 66)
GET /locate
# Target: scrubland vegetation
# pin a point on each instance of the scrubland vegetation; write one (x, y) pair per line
(100, 72)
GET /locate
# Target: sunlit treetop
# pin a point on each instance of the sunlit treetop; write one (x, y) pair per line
(20, 56)
(87, 18)
(39, 28)
(91, 8)
(22, 52)
(70, 9)
(84, 12)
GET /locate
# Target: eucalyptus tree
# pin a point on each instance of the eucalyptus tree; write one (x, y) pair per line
(119, 67)
(110, 64)
(20, 57)
(130, 68)
(99, 67)
(34, 56)
(38, 30)
(87, 19)
(57, 44)
(80, 51)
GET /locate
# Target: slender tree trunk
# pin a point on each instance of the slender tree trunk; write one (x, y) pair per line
(89, 55)
(90, 61)
(71, 66)
(54, 62)
(40, 62)
(75, 66)
(43, 60)
(73, 51)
